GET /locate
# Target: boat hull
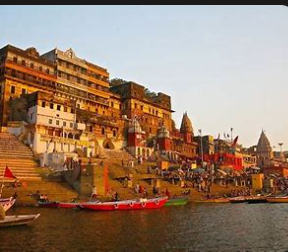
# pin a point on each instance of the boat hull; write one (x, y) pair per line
(7, 203)
(277, 199)
(125, 205)
(18, 220)
(48, 204)
(68, 205)
(224, 200)
(256, 200)
(236, 200)
(176, 202)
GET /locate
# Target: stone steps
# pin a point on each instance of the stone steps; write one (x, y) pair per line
(18, 157)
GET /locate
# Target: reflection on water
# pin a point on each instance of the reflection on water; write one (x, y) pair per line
(220, 227)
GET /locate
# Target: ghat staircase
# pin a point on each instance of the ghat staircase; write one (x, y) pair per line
(18, 157)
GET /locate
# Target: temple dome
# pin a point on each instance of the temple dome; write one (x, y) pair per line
(263, 144)
(186, 125)
(163, 132)
(135, 127)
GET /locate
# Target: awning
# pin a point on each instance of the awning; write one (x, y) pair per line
(200, 170)
(221, 171)
(256, 168)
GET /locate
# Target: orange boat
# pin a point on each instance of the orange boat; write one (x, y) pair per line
(283, 199)
(217, 200)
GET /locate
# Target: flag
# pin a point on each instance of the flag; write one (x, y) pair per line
(105, 178)
(235, 141)
(8, 173)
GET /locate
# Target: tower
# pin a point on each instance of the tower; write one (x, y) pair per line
(264, 150)
(163, 139)
(186, 129)
(135, 134)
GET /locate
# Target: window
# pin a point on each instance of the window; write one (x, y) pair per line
(50, 121)
(103, 131)
(59, 107)
(71, 125)
(41, 68)
(47, 71)
(146, 120)
(15, 59)
(24, 91)
(141, 107)
(114, 133)
(135, 105)
(91, 128)
(150, 130)
(12, 90)
(112, 104)
(64, 124)
(68, 77)
(57, 122)
(51, 105)
(72, 110)
(23, 63)
(65, 109)
(31, 65)
(43, 104)
(157, 112)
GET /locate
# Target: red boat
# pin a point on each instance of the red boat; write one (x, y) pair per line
(68, 205)
(125, 204)
(48, 204)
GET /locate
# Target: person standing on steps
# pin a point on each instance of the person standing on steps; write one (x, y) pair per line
(94, 193)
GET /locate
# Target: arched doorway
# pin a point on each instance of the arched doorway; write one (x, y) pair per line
(143, 153)
(107, 144)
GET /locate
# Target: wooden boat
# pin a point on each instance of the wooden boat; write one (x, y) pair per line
(217, 200)
(48, 204)
(180, 201)
(71, 205)
(239, 199)
(7, 203)
(282, 199)
(256, 199)
(17, 220)
(125, 204)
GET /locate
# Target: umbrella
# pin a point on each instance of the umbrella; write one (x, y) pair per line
(256, 168)
(200, 170)
(237, 173)
(221, 171)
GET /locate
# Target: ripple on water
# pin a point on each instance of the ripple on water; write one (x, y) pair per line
(214, 227)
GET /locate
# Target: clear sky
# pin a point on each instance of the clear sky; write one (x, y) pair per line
(226, 65)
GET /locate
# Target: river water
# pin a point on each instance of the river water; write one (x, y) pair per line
(194, 227)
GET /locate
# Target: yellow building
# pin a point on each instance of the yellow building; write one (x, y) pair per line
(257, 181)
(22, 72)
(151, 109)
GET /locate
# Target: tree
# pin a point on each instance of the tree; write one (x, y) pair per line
(149, 93)
(117, 81)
